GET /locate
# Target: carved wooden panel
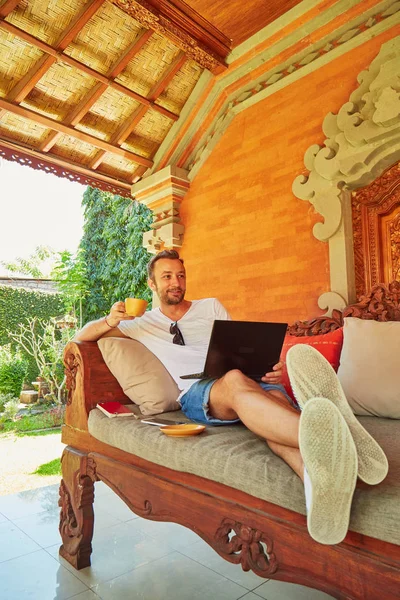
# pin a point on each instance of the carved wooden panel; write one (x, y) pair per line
(72, 364)
(76, 503)
(239, 543)
(390, 232)
(267, 539)
(380, 304)
(376, 230)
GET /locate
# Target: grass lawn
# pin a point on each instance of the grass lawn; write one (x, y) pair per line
(45, 420)
(52, 467)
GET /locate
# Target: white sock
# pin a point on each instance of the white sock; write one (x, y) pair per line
(307, 489)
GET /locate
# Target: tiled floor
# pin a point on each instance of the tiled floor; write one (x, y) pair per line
(132, 558)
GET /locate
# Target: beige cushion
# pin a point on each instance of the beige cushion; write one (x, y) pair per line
(236, 457)
(141, 375)
(370, 367)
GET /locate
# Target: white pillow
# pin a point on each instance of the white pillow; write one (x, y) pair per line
(369, 368)
(143, 378)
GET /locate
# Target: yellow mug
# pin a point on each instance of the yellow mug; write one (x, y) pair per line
(135, 307)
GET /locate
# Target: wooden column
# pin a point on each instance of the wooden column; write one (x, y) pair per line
(163, 193)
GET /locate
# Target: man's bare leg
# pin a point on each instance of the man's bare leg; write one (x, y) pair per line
(291, 456)
(267, 414)
(329, 484)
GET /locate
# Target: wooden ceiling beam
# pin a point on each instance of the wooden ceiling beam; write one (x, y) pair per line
(120, 136)
(21, 90)
(164, 111)
(67, 59)
(51, 54)
(24, 86)
(78, 23)
(77, 114)
(124, 132)
(8, 7)
(27, 37)
(85, 105)
(138, 174)
(130, 52)
(97, 160)
(67, 165)
(126, 129)
(26, 113)
(167, 76)
(59, 55)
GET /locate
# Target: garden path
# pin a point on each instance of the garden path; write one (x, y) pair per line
(21, 455)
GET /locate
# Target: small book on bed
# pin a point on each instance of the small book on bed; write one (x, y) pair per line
(116, 409)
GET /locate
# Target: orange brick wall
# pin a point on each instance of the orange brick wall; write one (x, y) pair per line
(248, 240)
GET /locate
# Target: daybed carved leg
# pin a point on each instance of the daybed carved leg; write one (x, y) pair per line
(76, 502)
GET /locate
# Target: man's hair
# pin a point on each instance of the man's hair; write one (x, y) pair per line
(171, 254)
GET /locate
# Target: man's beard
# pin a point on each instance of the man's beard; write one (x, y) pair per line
(171, 300)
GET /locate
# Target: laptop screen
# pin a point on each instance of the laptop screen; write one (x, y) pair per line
(250, 346)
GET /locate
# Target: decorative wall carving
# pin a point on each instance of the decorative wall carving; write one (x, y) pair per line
(359, 270)
(317, 326)
(363, 140)
(395, 247)
(376, 214)
(382, 303)
(239, 543)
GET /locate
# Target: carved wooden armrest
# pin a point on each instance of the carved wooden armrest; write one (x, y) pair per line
(89, 381)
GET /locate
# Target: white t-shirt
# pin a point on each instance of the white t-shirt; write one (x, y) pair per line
(152, 330)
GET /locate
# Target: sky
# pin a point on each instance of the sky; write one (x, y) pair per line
(37, 209)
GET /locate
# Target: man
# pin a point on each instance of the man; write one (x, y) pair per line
(178, 333)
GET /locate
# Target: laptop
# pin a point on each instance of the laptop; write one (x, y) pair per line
(250, 346)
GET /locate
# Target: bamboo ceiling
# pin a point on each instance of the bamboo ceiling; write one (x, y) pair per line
(89, 91)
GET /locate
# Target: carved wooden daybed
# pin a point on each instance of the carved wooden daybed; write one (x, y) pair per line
(267, 538)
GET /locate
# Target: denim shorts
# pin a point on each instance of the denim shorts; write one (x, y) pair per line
(194, 402)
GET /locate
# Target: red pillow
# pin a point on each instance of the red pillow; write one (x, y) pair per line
(329, 344)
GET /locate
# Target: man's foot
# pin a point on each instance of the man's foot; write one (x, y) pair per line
(312, 376)
(330, 461)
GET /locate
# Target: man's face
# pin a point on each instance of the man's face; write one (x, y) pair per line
(169, 281)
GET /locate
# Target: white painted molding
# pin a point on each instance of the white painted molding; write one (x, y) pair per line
(363, 139)
(331, 301)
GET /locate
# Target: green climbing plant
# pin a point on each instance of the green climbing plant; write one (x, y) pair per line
(111, 251)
